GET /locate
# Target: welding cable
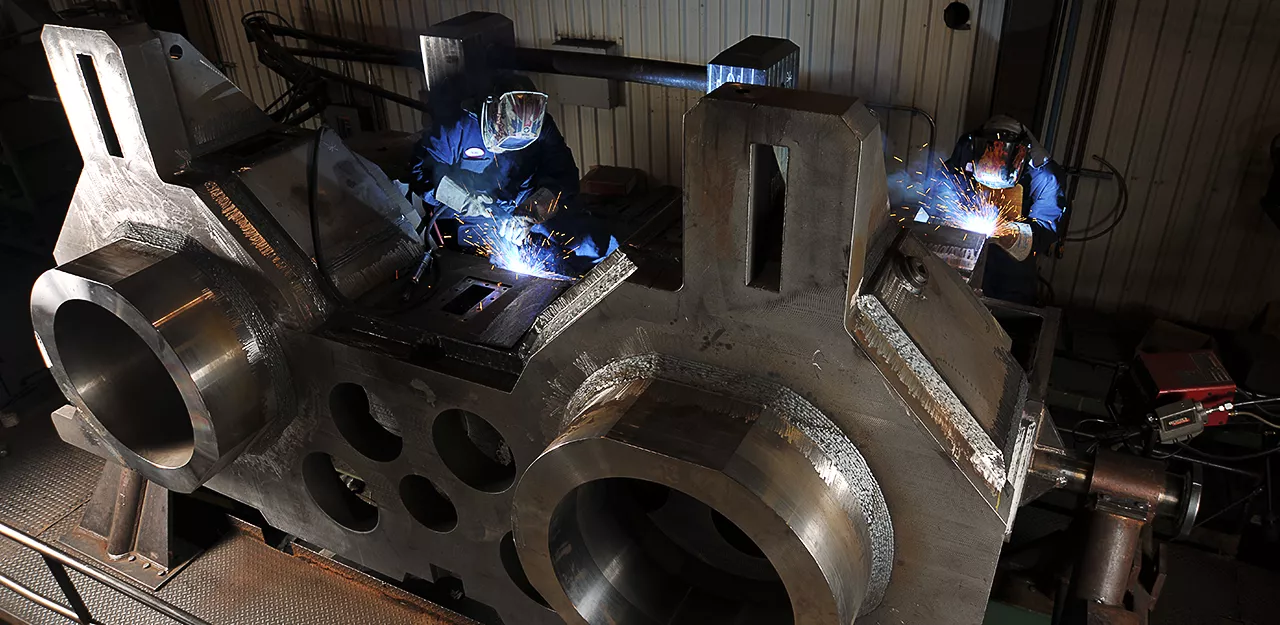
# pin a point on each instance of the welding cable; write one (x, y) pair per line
(1121, 201)
(1048, 287)
(1222, 458)
(1231, 406)
(326, 280)
(1254, 415)
(1119, 210)
(313, 184)
(1261, 407)
(1227, 508)
(1252, 402)
(280, 98)
(1159, 455)
(251, 14)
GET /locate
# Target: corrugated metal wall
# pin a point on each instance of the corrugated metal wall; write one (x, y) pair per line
(1188, 102)
(888, 51)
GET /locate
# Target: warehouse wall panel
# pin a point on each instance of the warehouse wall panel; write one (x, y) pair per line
(887, 51)
(1186, 108)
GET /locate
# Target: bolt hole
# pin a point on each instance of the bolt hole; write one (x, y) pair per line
(915, 271)
(175, 52)
(511, 562)
(367, 425)
(956, 16)
(428, 504)
(474, 451)
(338, 493)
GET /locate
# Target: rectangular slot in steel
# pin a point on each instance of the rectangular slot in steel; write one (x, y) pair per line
(766, 206)
(91, 81)
(471, 296)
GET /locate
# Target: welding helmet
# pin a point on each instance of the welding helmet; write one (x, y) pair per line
(513, 120)
(999, 156)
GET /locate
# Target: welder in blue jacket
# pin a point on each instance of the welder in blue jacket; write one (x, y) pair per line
(997, 158)
(497, 173)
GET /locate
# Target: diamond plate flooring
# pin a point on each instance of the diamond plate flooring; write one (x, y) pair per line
(240, 580)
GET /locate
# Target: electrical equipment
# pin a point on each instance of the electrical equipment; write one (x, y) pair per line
(1196, 376)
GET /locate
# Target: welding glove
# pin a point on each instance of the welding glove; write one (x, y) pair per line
(1015, 238)
(467, 203)
(515, 229)
(540, 206)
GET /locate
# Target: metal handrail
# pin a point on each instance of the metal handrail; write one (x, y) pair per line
(933, 128)
(43, 601)
(58, 562)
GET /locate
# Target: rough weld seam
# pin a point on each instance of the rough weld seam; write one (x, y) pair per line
(887, 340)
(576, 301)
(1019, 465)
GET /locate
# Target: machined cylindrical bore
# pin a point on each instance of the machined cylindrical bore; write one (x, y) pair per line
(681, 493)
(166, 358)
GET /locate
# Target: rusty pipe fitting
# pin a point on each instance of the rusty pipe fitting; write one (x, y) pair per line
(1115, 527)
(1115, 474)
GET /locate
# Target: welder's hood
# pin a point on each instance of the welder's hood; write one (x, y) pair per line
(1000, 153)
(1002, 149)
(998, 161)
(513, 120)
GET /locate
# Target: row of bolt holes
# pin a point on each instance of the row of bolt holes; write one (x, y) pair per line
(468, 445)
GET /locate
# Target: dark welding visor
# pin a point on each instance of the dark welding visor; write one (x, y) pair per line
(998, 158)
(513, 120)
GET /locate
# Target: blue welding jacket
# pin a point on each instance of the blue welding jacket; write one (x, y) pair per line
(1044, 194)
(1044, 201)
(452, 146)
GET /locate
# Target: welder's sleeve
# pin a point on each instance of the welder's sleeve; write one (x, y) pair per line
(1048, 197)
(962, 154)
(433, 158)
(554, 169)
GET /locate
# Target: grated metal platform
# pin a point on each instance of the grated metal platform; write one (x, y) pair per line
(239, 580)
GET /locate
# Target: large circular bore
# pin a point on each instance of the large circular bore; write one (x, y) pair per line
(124, 384)
(427, 504)
(339, 493)
(352, 412)
(663, 501)
(672, 564)
(165, 355)
(474, 450)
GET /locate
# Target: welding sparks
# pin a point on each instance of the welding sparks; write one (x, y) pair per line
(951, 198)
(984, 223)
(536, 256)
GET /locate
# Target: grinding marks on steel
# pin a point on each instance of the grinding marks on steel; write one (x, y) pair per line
(256, 333)
(835, 457)
(653, 421)
(576, 301)
(1013, 398)
(279, 258)
(965, 440)
(315, 305)
(1020, 465)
